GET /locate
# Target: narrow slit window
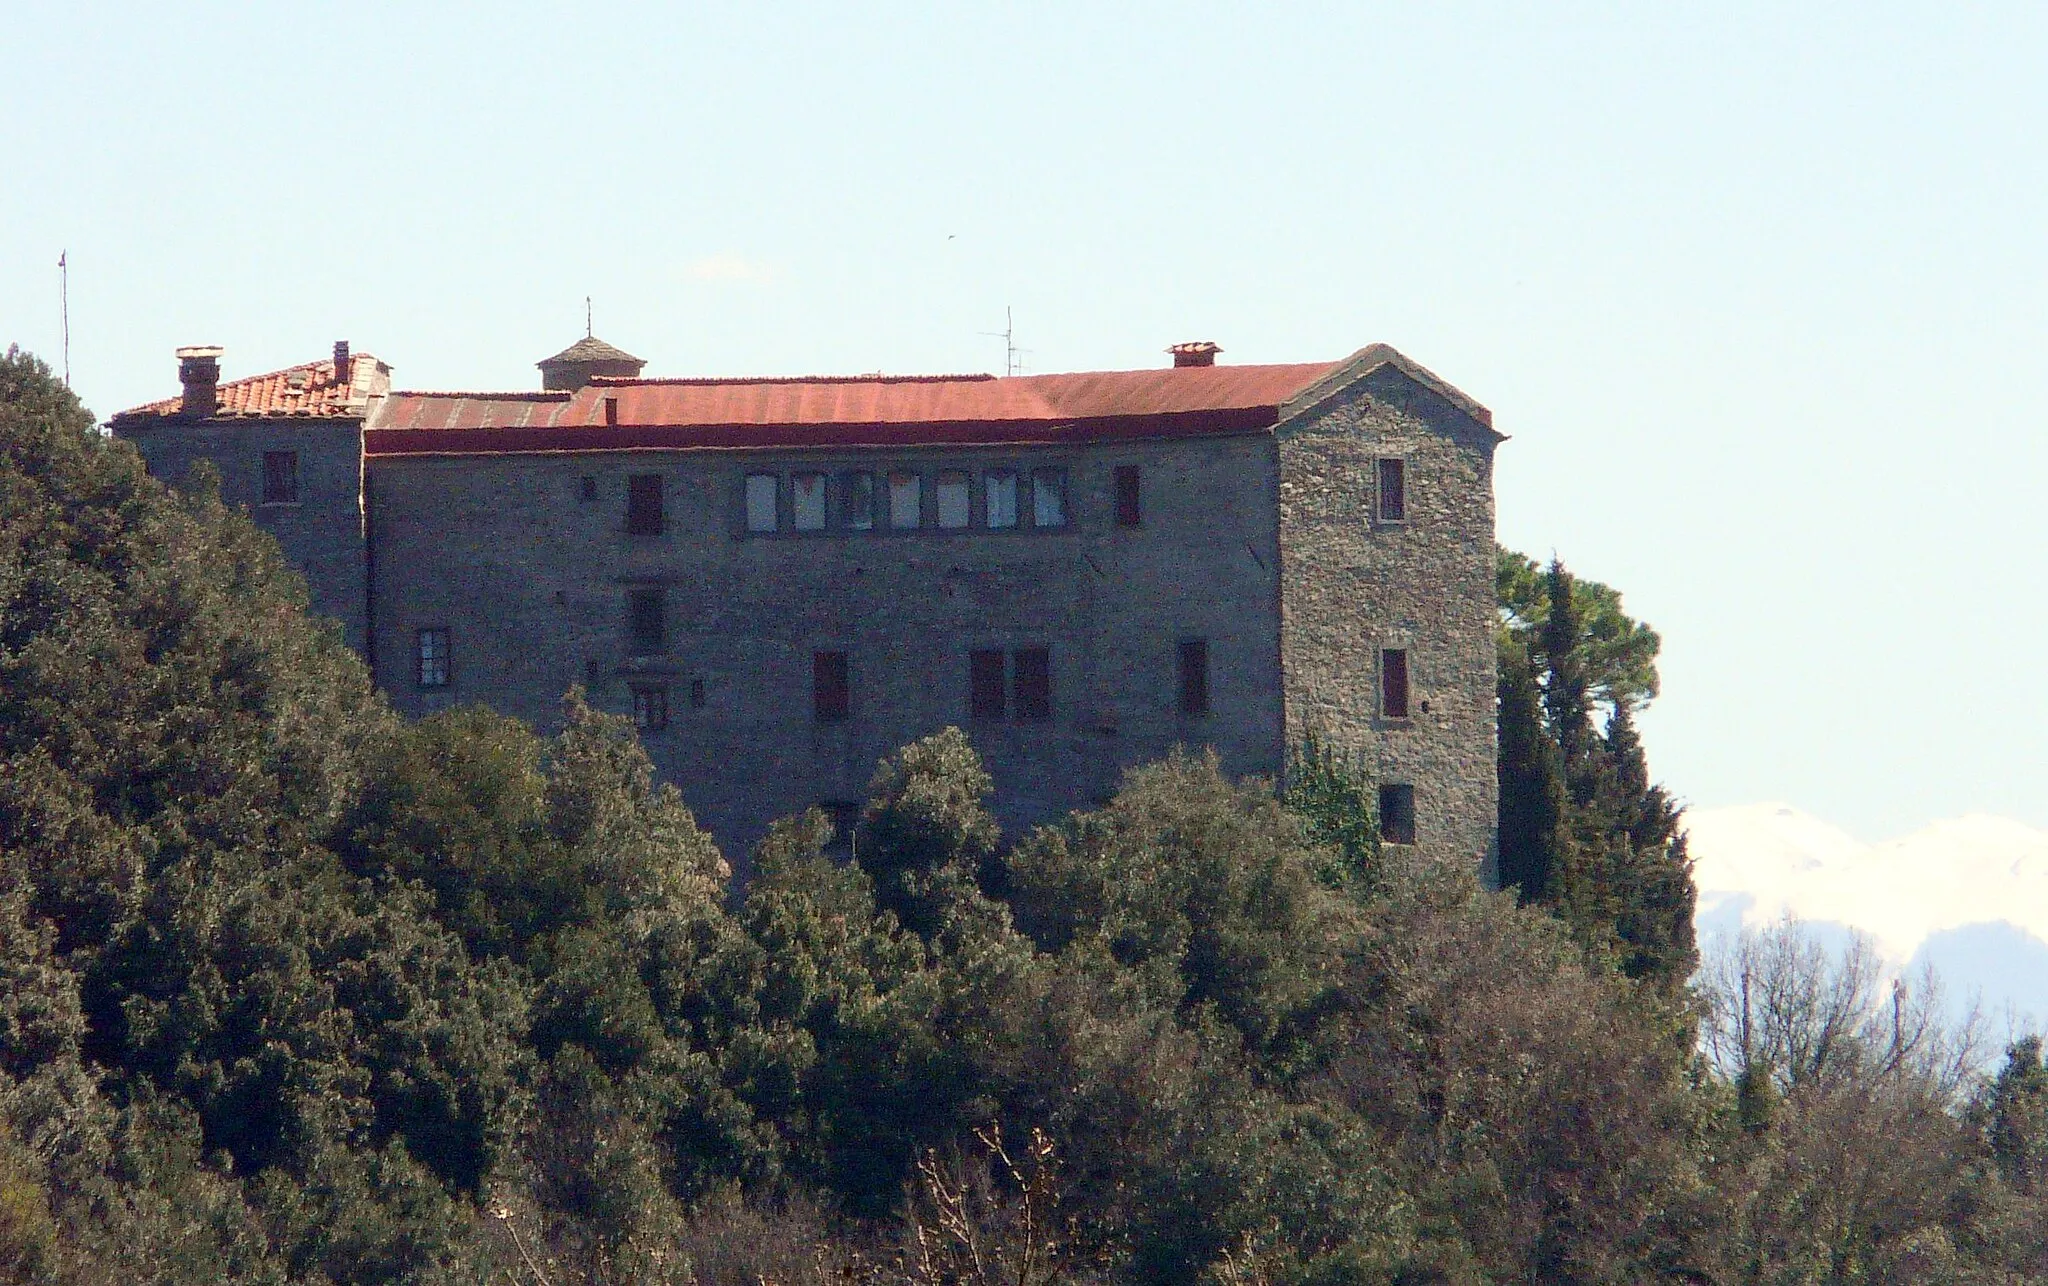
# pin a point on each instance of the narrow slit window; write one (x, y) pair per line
(1397, 814)
(1129, 509)
(831, 691)
(985, 685)
(696, 694)
(807, 501)
(906, 501)
(650, 709)
(761, 513)
(1032, 671)
(1393, 491)
(1048, 497)
(954, 498)
(1194, 676)
(1000, 490)
(1394, 682)
(643, 505)
(433, 658)
(586, 487)
(280, 477)
(646, 613)
(860, 501)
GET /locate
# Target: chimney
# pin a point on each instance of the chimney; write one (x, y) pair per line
(611, 410)
(199, 372)
(341, 362)
(1200, 353)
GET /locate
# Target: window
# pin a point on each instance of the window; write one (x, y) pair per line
(999, 487)
(1397, 814)
(650, 709)
(985, 684)
(643, 505)
(954, 492)
(906, 501)
(1194, 676)
(586, 487)
(433, 658)
(761, 515)
(1394, 682)
(1129, 513)
(1048, 497)
(593, 674)
(1032, 667)
(831, 693)
(280, 477)
(696, 694)
(646, 612)
(807, 501)
(1393, 491)
(860, 501)
(844, 815)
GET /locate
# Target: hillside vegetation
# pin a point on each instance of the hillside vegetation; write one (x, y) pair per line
(293, 989)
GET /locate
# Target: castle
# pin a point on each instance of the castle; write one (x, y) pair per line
(782, 581)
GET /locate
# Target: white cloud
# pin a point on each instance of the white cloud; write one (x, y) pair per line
(1771, 860)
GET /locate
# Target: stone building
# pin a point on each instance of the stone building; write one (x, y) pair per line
(784, 580)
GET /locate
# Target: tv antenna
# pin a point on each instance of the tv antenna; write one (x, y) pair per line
(1013, 356)
(64, 307)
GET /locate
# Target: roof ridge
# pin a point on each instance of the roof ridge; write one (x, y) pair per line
(705, 381)
(524, 395)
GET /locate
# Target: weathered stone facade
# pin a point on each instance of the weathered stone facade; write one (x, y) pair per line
(1206, 523)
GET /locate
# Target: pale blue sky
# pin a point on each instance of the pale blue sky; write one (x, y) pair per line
(1761, 294)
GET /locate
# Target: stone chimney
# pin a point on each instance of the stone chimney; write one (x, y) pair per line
(199, 372)
(341, 362)
(1199, 353)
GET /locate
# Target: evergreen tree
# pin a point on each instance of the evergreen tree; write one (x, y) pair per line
(1532, 795)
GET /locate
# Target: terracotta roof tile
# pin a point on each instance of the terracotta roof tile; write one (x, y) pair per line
(306, 391)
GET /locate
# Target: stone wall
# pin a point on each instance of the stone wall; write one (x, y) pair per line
(533, 580)
(322, 533)
(1353, 585)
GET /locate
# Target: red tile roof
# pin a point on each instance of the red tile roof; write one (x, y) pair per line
(306, 391)
(844, 411)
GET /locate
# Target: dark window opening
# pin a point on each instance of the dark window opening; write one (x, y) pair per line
(1393, 490)
(433, 658)
(844, 815)
(643, 505)
(831, 691)
(1194, 676)
(1032, 668)
(860, 501)
(586, 487)
(985, 684)
(1129, 509)
(592, 674)
(280, 477)
(650, 709)
(1397, 814)
(696, 694)
(646, 620)
(1394, 682)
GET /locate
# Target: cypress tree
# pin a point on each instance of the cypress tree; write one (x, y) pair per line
(1532, 795)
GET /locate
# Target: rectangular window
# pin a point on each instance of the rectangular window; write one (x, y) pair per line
(844, 816)
(646, 612)
(1397, 814)
(1048, 497)
(1000, 488)
(433, 658)
(807, 501)
(696, 694)
(985, 684)
(586, 487)
(954, 493)
(831, 691)
(761, 512)
(1194, 676)
(1394, 682)
(1393, 491)
(1129, 512)
(643, 505)
(1032, 667)
(650, 709)
(906, 501)
(860, 501)
(280, 477)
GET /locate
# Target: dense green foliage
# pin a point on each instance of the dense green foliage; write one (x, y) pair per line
(292, 989)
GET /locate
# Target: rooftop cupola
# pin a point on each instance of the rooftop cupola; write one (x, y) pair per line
(199, 372)
(576, 365)
(1200, 353)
